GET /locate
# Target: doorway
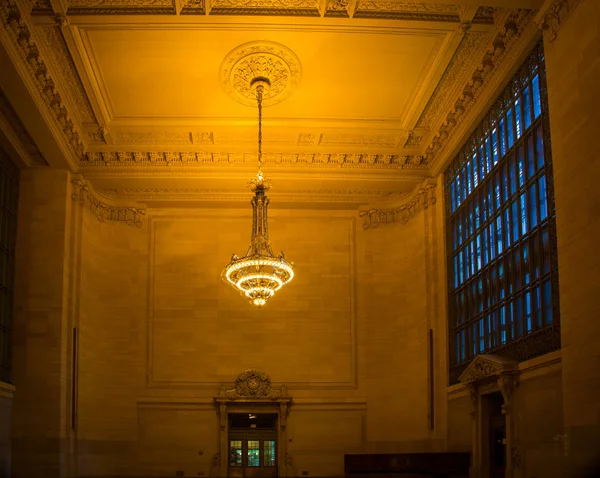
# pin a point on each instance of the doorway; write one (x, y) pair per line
(497, 436)
(252, 442)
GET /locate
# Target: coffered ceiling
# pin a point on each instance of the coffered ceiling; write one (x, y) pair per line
(381, 90)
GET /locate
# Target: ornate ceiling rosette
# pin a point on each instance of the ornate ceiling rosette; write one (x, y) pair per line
(260, 59)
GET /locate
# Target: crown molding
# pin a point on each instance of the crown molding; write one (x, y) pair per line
(514, 33)
(85, 196)
(16, 34)
(142, 160)
(409, 207)
(553, 14)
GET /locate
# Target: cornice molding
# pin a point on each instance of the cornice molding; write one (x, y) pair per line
(421, 199)
(553, 15)
(449, 85)
(61, 64)
(140, 159)
(83, 194)
(403, 10)
(298, 8)
(126, 7)
(503, 51)
(18, 32)
(234, 195)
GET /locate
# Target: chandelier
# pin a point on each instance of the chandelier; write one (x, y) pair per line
(259, 274)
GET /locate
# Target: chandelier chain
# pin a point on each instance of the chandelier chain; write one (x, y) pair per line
(259, 97)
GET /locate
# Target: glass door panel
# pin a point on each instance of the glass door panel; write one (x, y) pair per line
(235, 453)
(269, 453)
(253, 453)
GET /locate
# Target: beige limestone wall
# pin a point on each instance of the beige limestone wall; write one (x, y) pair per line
(397, 353)
(203, 333)
(540, 422)
(177, 438)
(573, 67)
(40, 424)
(112, 314)
(160, 333)
(321, 435)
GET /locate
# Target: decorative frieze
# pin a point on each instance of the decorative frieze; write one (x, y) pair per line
(423, 198)
(403, 10)
(470, 45)
(302, 8)
(59, 56)
(83, 195)
(123, 7)
(507, 34)
(197, 159)
(368, 140)
(15, 27)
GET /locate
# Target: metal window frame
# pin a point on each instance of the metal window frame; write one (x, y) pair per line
(9, 198)
(484, 301)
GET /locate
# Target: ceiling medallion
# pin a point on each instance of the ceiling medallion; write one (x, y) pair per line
(260, 273)
(260, 59)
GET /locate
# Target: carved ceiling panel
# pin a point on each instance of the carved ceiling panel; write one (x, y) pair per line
(381, 92)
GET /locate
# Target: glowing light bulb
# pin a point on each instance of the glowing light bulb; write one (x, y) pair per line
(258, 302)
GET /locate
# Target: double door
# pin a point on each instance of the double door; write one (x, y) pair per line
(252, 449)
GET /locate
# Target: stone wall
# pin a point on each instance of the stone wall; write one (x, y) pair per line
(40, 424)
(573, 67)
(111, 346)
(160, 332)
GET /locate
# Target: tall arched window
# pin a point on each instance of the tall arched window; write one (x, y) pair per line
(501, 233)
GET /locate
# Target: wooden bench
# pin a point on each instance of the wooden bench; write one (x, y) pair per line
(408, 465)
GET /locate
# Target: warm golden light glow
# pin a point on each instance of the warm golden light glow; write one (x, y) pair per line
(259, 273)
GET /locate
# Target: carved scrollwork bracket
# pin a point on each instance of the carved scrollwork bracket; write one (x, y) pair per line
(83, 194)
(423, 198)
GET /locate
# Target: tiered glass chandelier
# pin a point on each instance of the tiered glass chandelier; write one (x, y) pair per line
(259, 274)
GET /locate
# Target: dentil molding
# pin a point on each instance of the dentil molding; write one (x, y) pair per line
(142, 159)
(17, 33)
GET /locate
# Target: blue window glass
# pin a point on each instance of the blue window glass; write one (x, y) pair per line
(537, 100)
(533, 203)
(501, 137)
(539, 147)
(518, 123)
(500, 226)
(543, 204)
(527, 108)
(511, 127)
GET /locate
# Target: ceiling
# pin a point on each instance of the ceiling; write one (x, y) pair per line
(374, 97)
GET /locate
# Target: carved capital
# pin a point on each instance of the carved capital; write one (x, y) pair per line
(553, 14)
(507, 385)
